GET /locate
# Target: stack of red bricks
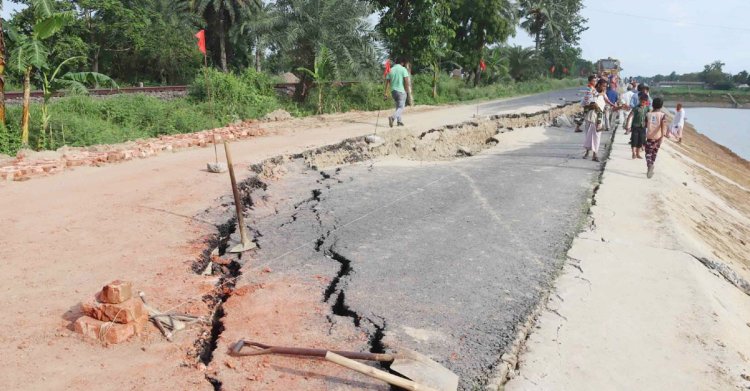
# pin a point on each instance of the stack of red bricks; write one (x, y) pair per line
(23, 167)
(114, 315)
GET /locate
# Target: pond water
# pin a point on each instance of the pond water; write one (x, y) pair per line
(728, 127)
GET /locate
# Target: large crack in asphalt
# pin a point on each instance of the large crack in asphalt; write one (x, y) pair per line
(449, 142)
(338, 284)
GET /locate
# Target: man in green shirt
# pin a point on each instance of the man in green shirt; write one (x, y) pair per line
(399, 83)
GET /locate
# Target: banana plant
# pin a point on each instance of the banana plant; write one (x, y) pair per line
(31, 53)
(75, 82)
(436, 64)
(324, 71)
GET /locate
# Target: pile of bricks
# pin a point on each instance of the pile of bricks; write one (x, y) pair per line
(25, 167)
(114, 315)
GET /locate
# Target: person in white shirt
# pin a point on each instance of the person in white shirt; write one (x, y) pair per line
(625, 104)
(678, 122)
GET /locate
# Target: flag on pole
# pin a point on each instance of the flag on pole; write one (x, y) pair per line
(387, 68)
(201, 35)
(482, 65)
(552, 69)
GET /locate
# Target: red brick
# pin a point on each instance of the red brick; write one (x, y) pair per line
(116, 292)
(111, 333)
(129, 311)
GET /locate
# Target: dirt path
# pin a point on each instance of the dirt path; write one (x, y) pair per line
(66, 235)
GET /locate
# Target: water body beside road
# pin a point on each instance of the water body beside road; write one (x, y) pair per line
(728, 127)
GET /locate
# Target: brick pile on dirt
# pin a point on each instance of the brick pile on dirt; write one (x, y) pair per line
(114, 315)
(26, 165)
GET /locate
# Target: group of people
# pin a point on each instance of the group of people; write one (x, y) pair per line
(643, 117)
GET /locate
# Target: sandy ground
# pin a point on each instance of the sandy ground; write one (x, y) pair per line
(66, 235)
(633, 308)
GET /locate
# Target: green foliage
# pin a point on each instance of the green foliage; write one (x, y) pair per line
(713, 74)
(416, 30)
(556, 26)
(523, 63)
(78, 82)
(244, 96)
(741, 78)
(455, 90)
(339, 25)
(87, 121)
(220, 16)
(481, 23)
(369, 95)
(10, 140)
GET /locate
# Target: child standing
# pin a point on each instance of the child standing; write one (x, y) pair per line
(656, 125)
(637, 129)
(678, 122)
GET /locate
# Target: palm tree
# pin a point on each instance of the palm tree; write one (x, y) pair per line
(260, 27)
(541, 17)
(222, 14)
(522, 62)
(497, 64)
(339, 25)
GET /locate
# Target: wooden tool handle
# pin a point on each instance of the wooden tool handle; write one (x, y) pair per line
(376, 373)
(260, 348)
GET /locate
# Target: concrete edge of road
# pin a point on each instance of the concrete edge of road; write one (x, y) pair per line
(509, 360)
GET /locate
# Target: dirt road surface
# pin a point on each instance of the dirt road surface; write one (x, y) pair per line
(65, 236)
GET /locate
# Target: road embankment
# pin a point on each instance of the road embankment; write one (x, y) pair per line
(655, 294)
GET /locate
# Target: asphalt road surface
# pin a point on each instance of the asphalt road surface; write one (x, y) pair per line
(554, 97)
(444, 258)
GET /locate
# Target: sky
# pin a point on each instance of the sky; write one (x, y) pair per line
(652, 37)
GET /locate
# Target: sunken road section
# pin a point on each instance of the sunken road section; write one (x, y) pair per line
(466, 318)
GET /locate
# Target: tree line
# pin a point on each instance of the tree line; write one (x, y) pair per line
(152, 41)
(69, 45)
(713, 75)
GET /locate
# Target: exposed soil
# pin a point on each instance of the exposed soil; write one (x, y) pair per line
(719, 217)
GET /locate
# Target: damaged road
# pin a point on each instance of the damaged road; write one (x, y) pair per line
(447, 257)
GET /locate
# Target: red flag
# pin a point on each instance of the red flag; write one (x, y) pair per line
(387, 68)
(565, 70)
(201, 35)
(552, 69)
(482, 65)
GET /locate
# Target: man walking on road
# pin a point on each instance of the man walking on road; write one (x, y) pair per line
(398, 83)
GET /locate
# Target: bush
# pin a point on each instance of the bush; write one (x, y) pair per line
(236, 97)
(10, 140)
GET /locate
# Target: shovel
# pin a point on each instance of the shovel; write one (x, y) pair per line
(415, 366)
(245, 243)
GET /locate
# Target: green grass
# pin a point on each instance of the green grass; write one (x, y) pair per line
(84, 121)
(699, 91)
(683, 94)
